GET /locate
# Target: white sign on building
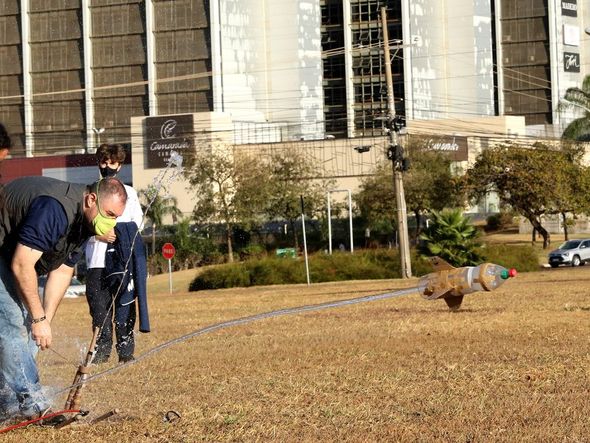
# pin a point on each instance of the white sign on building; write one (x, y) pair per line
(571, 35)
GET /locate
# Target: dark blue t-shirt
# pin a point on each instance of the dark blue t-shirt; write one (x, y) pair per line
(44, 224)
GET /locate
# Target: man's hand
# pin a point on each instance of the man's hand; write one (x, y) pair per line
(23, 267)
(41, 333)
(109, 237)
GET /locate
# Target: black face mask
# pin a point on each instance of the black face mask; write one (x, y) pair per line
(107, 172)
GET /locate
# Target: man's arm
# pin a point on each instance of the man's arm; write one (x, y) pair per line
(23, 267)
(58, 281)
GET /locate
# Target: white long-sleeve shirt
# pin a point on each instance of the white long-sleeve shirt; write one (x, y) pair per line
(96, 249)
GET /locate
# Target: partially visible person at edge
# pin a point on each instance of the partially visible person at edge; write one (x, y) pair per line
(102, 306)
(5, 143)
(43, 227)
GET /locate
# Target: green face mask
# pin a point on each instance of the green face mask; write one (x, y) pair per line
(101, 223)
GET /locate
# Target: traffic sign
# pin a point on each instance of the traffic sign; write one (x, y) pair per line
(168, 250)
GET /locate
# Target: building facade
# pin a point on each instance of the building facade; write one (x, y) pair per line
(496, 57)
(74, 72)
(355, 94)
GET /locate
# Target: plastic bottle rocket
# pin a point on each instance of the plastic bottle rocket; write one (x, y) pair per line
(452, 283)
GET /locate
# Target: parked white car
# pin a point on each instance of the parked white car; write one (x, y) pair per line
(572, 252)
(76, 288)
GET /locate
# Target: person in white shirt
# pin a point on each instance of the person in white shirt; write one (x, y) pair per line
(110, 159)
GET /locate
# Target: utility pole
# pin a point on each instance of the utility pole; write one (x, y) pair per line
(395, 154)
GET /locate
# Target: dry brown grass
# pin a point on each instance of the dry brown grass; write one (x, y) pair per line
(512, 365)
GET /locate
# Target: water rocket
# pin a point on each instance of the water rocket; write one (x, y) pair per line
(451, 284)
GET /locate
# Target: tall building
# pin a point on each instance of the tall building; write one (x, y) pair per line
(496, 57)
(459, 59)
(267, 68)
(355, 94)
(74, 72)
(543, 50)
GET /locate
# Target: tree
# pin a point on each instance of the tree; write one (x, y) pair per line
(158, 207)
(534, 181)
(230, 187)
(452, 237)
(375, 199)
(578, 98)
(571, 179)
(293, 175)
(428, 185)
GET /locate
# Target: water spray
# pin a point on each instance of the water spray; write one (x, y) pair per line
(164, 178)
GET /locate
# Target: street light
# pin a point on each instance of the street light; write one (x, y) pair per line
(98, 132)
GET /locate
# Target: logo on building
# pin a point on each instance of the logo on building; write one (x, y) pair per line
(165, 134)
(456, 146)
(167, 130)
(569, 8)
(571, 62)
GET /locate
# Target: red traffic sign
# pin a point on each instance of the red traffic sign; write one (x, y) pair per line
(168, 250)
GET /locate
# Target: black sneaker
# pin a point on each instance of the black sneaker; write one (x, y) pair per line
(38, 418)
(126, 358)
(99, 359)
(52, 419)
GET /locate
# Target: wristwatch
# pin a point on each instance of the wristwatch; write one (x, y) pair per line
(38, 320)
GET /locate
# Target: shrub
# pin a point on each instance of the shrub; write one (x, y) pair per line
(521, 257)
(343, 266)
(452, 237)
(252, 251)
(157, 264)
(362, 265)
(273, 271)
(224, 276)
(208, 250)
(496, 222)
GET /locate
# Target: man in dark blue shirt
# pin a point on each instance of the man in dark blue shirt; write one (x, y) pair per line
(43, 226)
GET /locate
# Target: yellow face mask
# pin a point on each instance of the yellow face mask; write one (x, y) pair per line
(101, 223)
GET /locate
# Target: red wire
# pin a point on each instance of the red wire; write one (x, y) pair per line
(22, 424)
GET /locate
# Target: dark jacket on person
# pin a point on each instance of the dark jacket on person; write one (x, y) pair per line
(126, 271)
(18, 196)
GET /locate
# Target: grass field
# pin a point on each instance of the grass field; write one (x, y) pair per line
(512, 365)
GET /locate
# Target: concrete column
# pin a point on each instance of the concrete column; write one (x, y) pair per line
(91, 138)
(151, 56)
(27, 79)
(348, 67)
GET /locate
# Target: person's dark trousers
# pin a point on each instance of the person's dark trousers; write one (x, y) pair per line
(125, 316)
(99, 301)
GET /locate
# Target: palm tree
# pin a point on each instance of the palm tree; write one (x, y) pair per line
(452, 237)
(578, 98)
(156, 208)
